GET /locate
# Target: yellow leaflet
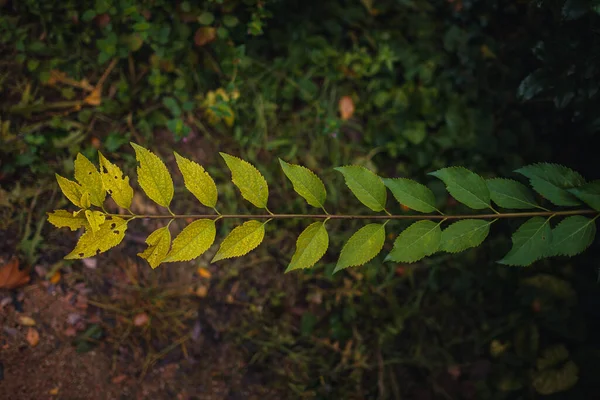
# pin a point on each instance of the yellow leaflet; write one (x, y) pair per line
(85, 201)
(248, 179)
(72, 190)
(91, 243)
(193, 241)
(95, 219)
(158, 243)
(115, 183)
(89, 178)
(153, 176)
(198, 181)
(66, 219)
(310, 247)
(241, 240)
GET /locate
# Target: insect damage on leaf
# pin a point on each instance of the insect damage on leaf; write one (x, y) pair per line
(533, 240)
(115, 182)
(91, 243)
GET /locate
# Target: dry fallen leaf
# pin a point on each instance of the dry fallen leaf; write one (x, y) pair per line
(203, 272)
(118, 379)
(11, 277)
(33, 337)
(141, 319)
(53, 392)
(201, 291)
(54, 279)
(205, 35)
(26, 321)
(346, 107)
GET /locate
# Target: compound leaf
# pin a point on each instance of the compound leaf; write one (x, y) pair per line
(553, 181)
(589, 194)
(411, 194)
(72, 190)
(572, 236)
(464, 234)
(366, 186)
(91, 243)
(241, 240)
(198, 181)
(306, 183)
(419, 240)
(158, 243)
(465, 186)
(508, 193)
(153, 176)
(89, 178)
(362, 247)
(530, 242)
(310, 247)
(193, 241)
(95, 219)
(115, 183)
(248, 179)
(66, 219)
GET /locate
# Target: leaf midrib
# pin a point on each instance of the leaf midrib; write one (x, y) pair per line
(472, 232)
(160, 192)
(301, 254)
(364, 189)
(458, 185)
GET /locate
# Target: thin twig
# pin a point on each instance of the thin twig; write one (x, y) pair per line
(367, 217)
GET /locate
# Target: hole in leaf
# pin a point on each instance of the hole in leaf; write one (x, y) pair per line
(112, 225)
(80, 254)
(116, 232)
(104, 170)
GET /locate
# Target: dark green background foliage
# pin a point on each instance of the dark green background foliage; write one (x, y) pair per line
(488, 84)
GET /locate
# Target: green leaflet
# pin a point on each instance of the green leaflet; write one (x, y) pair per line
(66, 219)
(193, 241)
(310, 247)
(411, 194)
(556, 380)
(72, 190)
(91, 243)
(115, 183)
(95, 219)
(552, 356)
(530, 242)
(366, 186)
(465, 186)
(198, 181)
(241, 240)
(508, 193)
(248, 179)
(362, 247)
(419, 240)
(464, 234)
(89, 178)
(153, 176)
(552, 181)
(306, 183)
(589, 194)
(572, 236)
(158, 243)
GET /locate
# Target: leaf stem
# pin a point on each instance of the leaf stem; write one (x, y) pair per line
(372, 217)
